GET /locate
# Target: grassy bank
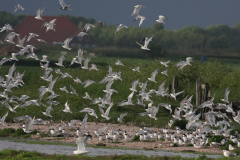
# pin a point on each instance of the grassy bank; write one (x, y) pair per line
(24, 155)
(216, 73)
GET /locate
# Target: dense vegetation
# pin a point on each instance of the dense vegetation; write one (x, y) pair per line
(218, 75)
(191, 37)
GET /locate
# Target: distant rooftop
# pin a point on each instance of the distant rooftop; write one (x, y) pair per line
(63, 30)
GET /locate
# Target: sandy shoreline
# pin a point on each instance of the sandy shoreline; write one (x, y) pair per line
(161, 145)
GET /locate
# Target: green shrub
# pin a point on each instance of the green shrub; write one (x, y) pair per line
(43, 134)
(232, 132)
(208, 135)
(237, 151)
(190, 144)
(175, 145)
(19, 132)
(26, 136)
(136, 138)
(34, 131)
(202, 157)
(179, 123)
(215, 139)
(6, 132)
(226, 146)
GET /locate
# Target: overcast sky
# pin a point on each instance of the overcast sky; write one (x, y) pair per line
(180, 13)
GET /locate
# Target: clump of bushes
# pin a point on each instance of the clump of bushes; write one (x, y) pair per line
(175, 145)
(237, 151)
(232, 132)
(215, 138)
(136, 138)
(34, 131)
(208, 135)
(179, 123)
(6, 132)
(226, 146)
(43, 134)
(20, 133)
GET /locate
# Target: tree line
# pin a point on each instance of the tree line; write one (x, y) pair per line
(190, 37)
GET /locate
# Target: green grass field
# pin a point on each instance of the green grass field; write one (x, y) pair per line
(220, 74)
(25, 155)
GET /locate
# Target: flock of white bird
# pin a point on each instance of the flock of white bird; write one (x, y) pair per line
(197, 138)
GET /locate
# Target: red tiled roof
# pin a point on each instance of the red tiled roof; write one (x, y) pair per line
(63, 30)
